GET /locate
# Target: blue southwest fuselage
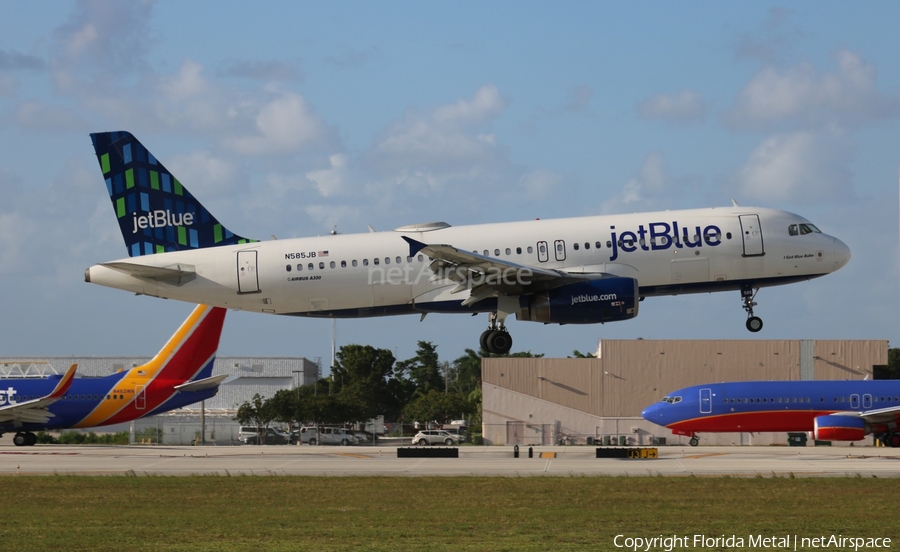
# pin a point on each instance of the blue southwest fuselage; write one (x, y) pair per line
(763, 406)
(92, 402)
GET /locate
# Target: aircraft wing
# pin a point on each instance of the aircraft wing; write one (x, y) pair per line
(881, 415)
(35, 410)
(487, 276)
(200, 385)
(176, 274)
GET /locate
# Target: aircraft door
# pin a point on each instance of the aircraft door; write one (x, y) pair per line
(706, 401)
(752, 235)
(248, 278)
(854, 401)
(542, 252)
(140, 397)
(559, 249)
(867, 401)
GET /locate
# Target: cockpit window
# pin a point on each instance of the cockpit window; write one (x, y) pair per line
(803, 229)
(671, 400)
(808, 228)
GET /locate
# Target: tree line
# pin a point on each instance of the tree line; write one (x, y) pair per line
(366, 382)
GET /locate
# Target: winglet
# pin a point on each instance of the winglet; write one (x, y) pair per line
(64, 383)
(414, 246)
(734, 203)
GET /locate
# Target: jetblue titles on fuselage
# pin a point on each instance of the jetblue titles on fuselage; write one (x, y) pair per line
(662, 235)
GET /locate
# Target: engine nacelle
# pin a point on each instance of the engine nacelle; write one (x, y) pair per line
(839, 428)
(588, 302)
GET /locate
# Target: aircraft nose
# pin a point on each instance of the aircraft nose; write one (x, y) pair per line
(652, 413)
(841, 253)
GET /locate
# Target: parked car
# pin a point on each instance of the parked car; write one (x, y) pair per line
(326, 436)
(461, 431)
(435, 437)
(273, 437)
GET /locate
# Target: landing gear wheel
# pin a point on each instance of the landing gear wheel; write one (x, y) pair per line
(892, 440)
(748, 294)
(21, 439)
(31, 439)
(499, 342)
(694, 441)
(483, 340)
(754, 324)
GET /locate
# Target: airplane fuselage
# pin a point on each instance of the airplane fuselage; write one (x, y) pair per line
(92, 402)
(373, 274)
(843, 410)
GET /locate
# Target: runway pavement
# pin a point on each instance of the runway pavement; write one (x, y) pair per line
(744, 461)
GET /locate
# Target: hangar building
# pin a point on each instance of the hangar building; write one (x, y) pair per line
(543, 401)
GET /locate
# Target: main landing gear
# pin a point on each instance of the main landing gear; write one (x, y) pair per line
(24, 439)
(748, 294)
(496, 338)
(891, 439)
(694, 441)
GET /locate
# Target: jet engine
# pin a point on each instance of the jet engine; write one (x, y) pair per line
(589, 302)
(839, 428)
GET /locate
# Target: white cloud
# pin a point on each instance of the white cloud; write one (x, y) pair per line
(797, 166)
(538, 184)
(207, 175)
(51, 118)
(284, 125)
(187, 83)
(17, 233)
(685, 106)
(644, 190)
(449, 137)
(803, 95)
(334, 180)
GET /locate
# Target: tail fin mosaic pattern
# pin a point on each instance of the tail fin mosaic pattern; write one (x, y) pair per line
(156, 212)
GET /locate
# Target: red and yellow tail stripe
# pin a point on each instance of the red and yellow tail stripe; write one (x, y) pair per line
(191, 348)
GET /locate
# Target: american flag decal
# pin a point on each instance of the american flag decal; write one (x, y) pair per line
(322, 254)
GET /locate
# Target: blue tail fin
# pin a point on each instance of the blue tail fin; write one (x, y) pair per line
(156, 213)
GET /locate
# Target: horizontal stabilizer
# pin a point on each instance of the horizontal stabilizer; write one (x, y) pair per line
(200, 385)
(176, 274)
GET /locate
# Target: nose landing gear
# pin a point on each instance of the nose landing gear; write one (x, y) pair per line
(748, 294)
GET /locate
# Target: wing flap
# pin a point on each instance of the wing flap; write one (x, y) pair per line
(485, 276)
(881, 415)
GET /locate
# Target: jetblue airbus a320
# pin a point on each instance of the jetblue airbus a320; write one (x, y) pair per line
(565, 271)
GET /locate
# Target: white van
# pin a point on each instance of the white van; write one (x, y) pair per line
(326, 436)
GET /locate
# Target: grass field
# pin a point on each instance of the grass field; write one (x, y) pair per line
(427, 513)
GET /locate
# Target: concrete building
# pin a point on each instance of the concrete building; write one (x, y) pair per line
(542, 401)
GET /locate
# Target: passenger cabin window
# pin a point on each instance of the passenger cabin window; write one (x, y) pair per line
(575, 246)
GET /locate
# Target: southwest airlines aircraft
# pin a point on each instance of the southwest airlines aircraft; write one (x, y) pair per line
(565, 271)
(179, 375)
(832, 410)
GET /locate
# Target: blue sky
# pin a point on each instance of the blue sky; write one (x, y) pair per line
(288, 118)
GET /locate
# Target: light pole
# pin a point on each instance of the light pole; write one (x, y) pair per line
(299, 381)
